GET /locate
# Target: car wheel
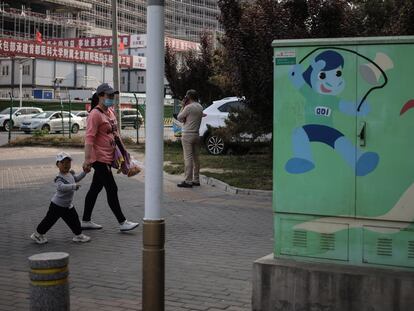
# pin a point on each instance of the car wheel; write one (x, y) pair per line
(137, 124)
(215, 145)
(8, 125)
(46, 128)
(75, 128)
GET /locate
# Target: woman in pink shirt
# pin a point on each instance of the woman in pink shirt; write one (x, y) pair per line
(101, 130)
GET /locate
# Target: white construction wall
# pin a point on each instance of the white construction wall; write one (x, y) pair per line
(44, 72)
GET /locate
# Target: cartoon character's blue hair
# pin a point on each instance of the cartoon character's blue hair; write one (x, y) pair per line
(332, 60)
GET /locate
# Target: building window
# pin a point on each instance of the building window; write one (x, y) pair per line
(5, 70)
(26, 70)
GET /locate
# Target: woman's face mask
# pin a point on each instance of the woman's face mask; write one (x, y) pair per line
(109, 102)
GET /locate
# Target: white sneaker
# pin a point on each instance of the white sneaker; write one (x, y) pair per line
(90, 225)
(128, 225)
(81, 238)
(38, 238)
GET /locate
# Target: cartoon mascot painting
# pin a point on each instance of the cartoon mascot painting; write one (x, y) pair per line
(321, 84)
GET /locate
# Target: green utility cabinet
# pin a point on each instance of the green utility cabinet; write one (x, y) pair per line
(344, 150)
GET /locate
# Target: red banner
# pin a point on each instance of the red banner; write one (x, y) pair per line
(11, 47)
(102, 42)
(181, 45)
(125, 41)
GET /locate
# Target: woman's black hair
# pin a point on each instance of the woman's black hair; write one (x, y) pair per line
(94, 101)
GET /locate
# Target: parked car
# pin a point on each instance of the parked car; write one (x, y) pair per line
(82, 114)
(215, 116)
(130, 118)
(51, 121)
(18, 115)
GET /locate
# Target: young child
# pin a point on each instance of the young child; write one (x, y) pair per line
(61, 205)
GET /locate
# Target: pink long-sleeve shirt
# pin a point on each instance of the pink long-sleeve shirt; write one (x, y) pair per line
(101, 128)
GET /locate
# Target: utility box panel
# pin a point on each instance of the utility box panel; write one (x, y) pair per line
(344, 150)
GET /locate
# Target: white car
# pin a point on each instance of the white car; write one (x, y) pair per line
(51, 121)
(82, 114)
(18, 116)
(215, 116)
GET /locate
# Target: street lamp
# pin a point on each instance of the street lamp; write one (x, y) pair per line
(21, 62)
(103, 70)
(153, 284)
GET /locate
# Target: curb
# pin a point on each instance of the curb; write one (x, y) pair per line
(213, 182)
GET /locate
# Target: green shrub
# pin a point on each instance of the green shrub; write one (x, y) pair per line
(40, 133)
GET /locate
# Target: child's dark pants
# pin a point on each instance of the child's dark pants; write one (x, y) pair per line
(69, 216)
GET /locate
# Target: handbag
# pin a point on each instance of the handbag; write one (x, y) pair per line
(122, 160)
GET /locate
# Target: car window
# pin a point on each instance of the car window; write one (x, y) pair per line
(66, 114)
(82, 114)
(7, 111)
(56, 116)
(22, 111)
(231, 106)
(43, 115)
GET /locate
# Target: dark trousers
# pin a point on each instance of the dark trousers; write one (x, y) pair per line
(69, 216)
(103, 177)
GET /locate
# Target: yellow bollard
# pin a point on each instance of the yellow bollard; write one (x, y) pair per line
(49, 288)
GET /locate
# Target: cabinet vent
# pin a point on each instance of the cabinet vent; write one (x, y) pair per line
(300, 238)
(327, 242)
(384, 247)
(410, 249)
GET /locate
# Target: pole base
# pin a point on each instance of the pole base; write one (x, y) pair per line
(153, 282)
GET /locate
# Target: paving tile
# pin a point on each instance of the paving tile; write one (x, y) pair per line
(212, 239)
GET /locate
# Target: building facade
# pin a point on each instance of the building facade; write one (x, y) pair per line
(184, 19)
(56, 77)
(24, 20)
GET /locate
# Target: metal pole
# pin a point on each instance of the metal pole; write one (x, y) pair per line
(115, 64)
(154, 226)
(21, 83)
(103, 71)
(70, 118)
(61, 115)
(137, 121)
(10, 117)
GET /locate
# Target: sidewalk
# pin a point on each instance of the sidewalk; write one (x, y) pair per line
(212, 239)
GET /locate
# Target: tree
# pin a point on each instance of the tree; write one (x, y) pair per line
(251, 26)
(249, 30)
(193, 70)
(332, 19)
